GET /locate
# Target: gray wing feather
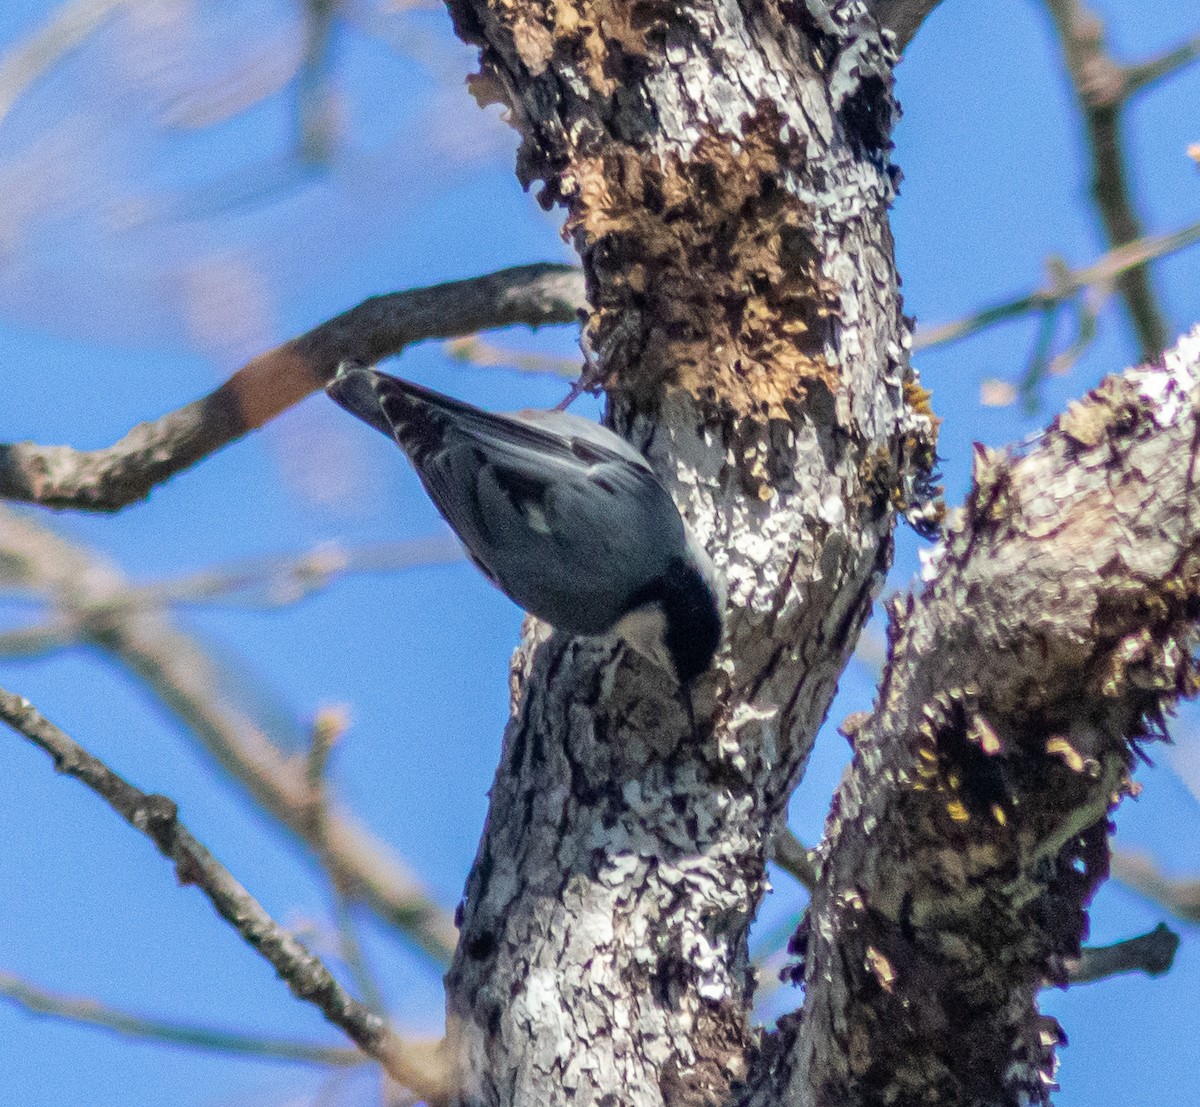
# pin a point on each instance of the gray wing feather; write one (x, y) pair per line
(541, 500)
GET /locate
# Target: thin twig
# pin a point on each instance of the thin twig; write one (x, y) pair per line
(1142, 75)
(261, 582)
(1095, 277)
(111, 478)
(415, 1065)
(286, 579)
(791, 855)
(328, 728)
(1180, 896)
(50, 42)
(1152, 953)
(316, 115)
(475, 351)
(37, 640)
(903, 17)
(90, 1012)
(86, 592)
(1102, 88)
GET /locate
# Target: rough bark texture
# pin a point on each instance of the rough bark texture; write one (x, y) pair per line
(1057, 624)
(724, 171)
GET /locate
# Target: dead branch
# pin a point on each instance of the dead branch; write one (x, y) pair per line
(1179, 895)
(111, 478)
(89, 595)
(285, 579)
(903, 17)
(91, 1012)
(792, 855)
(1102, 89)
(1065, 285)
(33, 56)
(1057, 623)
(414, 1065)
(1152, 953)
(1142, 75)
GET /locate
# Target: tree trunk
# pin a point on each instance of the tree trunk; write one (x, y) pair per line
(726, 183)
(724, 169)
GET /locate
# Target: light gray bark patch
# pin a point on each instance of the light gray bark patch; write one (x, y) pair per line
(747, 325)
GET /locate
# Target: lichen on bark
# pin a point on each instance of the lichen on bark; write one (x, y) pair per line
(724, 174)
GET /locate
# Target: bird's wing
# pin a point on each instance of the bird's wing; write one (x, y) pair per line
(539, 499)
(563, 515)
(408, 408)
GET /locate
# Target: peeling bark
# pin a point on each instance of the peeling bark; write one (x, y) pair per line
(1057, 625)
(725, 178)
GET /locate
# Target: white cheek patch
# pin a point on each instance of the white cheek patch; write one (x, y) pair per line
(643, 629)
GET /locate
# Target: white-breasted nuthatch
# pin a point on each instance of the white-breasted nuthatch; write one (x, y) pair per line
(563, 515)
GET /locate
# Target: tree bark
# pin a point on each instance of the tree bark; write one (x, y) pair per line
(1057, 625)
(725, 176)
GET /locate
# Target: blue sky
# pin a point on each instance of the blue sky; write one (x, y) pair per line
(127, 288)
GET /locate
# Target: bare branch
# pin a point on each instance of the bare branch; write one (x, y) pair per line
(275, 581)
(88, 593)
(35, 641)
(329, 726)
(49, 43)
(1152, 953)
(791, 855)
(1142, 75)
(414, 1065)
(1101, 88)
(1067, 283)
(1138, 871)
(475, 351)
(272, 581)
(90, 1012)
(316, 115)
(109, 479)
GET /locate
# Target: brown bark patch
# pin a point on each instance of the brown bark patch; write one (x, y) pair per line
(717, 258)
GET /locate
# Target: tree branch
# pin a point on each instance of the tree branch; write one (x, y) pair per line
(92, 599)
(473, 350)
(1152, 953)
(109, 479)
(1057, 624)
(289, 578)
(792, 855)
(414, 1065)
(90, 1012)
(33, 56)
(903, 17)
(1064, 286)
(1101, 90)
(1138, 871)
(1142, 75)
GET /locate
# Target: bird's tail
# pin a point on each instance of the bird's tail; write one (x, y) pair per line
(415, 418)
(354, 389)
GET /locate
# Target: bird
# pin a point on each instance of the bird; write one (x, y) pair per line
(563, 515)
